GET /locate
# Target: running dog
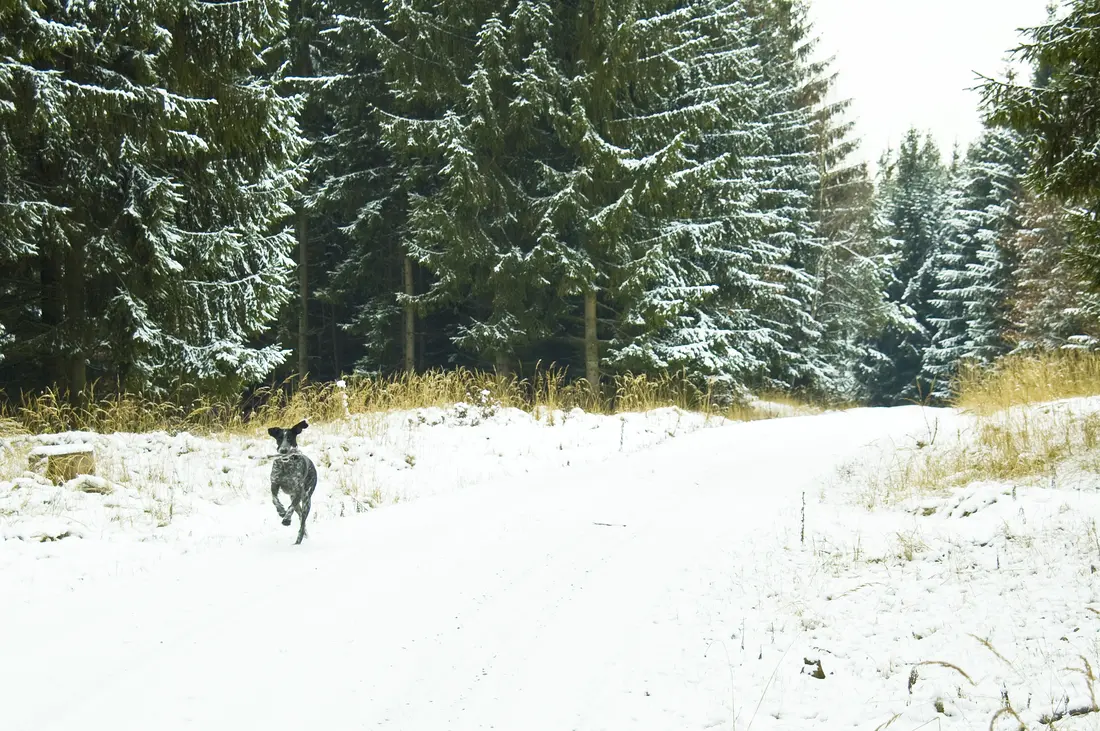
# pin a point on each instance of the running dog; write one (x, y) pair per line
(293, 473)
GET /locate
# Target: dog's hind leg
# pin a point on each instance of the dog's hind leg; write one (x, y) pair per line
(303, 513)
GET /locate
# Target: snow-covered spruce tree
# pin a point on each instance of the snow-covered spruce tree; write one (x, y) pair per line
(698, 306)
(746, 305)
(914, 191)
(299, 61)
(359, 202)
(463, 124)
(787, 174)
(1058, 113)
(638, 173)
(784, 224)
(405, 101)
(947, 324)
(855, 272)
(1053, 306)
(973, 268)
(161, 167)
(559, 183)
(550, 161)
(30, 290)
(680, 309)
(852, 266)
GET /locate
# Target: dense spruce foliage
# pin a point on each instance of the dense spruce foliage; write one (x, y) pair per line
(145, 174)
(219, 193)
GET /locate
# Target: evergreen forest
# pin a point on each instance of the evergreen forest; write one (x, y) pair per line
(229, 193)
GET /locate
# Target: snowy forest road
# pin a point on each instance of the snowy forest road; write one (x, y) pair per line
(604, 598)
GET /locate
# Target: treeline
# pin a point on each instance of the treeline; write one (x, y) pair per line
(982, 269)
(217, 193)
(998, 248)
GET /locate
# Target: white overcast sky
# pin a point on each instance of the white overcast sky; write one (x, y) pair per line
(909, 62)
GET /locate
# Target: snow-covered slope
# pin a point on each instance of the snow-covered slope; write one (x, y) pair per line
(666, 586)
(186, 488)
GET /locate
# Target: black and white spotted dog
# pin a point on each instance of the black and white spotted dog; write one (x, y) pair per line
(293, 473)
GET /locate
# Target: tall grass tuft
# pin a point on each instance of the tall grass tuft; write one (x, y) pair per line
(1006, 440)
(185, 409)
(1028, 379)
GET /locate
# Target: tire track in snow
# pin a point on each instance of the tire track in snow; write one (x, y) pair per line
(559, 611)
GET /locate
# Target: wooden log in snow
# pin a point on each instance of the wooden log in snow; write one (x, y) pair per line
(65, 461)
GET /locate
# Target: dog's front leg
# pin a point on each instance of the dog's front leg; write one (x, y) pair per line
(294, 508)
(275, 499)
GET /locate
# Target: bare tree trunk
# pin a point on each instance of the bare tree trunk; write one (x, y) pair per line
(303, 293)
(503, 365)
(52, 306)
(300, 17)
(410, 318)
(335, 342)
(591, 343)
(75, 321)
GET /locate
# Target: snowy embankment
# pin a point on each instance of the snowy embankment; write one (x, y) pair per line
(573, 572)
(181, 487)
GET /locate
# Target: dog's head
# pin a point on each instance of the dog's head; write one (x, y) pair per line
(287, 439)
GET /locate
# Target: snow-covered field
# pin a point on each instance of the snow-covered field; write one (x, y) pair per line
(186, 488)
(477, 568)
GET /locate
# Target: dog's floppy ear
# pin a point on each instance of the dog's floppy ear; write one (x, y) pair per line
(275, 432)
(300, 426)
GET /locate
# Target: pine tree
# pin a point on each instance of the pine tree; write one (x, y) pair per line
(1053, 306)
(973, 270)
(442, 191)
(855, 272)
(556, 183)
(852, 263)
(948, 261)
(359, 203)
(787, 173)
(749, 282)
(1059, 115)
(623, 201)
(697, 315)
(543, 181)
(478, 229)
(300, 59)
(149, 169)
(913, 187)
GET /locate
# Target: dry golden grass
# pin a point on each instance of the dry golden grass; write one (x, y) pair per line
(1014, 442)
(1010, 445)
(50, 412)
(1028, 379)
(10, 427)
(775, 404)
(12, 461)
(1006, 440)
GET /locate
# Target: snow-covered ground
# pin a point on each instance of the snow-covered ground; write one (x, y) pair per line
(474, 568)
(186, 488)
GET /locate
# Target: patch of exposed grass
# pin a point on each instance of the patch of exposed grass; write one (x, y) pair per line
(13, 461)
(548, 390)
(10, 427)
(775, 405)
(1028, 379)
(910, 545)
(1011, 445)
(1010, 438)
(50, 412)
